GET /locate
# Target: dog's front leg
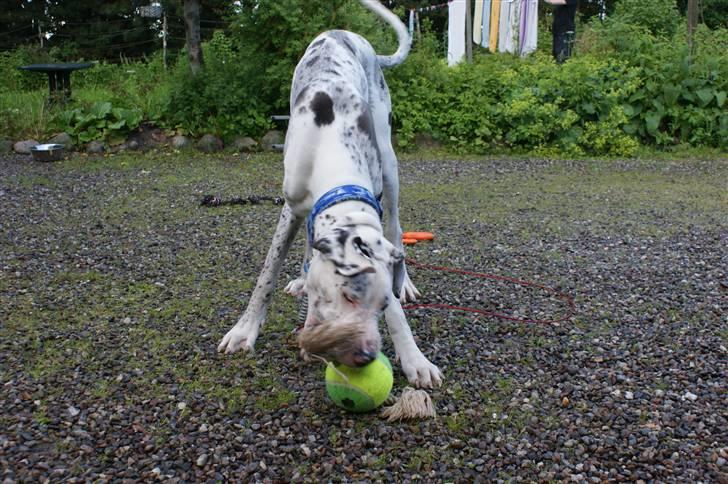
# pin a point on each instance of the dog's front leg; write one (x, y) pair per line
(416, 367)
(245, 332)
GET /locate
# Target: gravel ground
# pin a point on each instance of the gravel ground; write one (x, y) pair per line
(115, 288)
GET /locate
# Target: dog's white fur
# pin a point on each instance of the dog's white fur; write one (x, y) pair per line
(339, 134)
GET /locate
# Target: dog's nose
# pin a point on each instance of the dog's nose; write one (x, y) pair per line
(363, 357)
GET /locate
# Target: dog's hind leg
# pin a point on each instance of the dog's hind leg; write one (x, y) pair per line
(297, 287)
(403, 286)
(245, 332)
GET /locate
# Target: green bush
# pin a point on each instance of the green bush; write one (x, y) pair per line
(223, 98)
(13, 79)
(502, 102)
(681, 96)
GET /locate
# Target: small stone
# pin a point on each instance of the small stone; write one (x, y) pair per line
(565, 402)
(629, 395)
(271, 138)
(244, 144)
(181, 406)
(96, 147)
(201, 460)
(73, 411)
(209, 144)
(61, 139)
(180, 142)
(23, 147)
(306, 451)
(690, 396)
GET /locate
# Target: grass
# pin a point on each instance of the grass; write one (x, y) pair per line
(157, 327)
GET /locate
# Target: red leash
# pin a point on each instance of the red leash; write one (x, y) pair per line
(565, 297)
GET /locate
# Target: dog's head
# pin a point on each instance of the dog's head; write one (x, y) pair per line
(349, 284)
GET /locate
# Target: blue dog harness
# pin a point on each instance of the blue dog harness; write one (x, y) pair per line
(340, 194)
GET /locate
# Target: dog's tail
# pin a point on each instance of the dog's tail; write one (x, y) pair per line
(405, 41)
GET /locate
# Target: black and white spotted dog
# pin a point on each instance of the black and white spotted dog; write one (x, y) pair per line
(339, 162)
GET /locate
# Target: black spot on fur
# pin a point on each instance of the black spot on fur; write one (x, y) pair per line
(323, 109)
(317, 43)
(302, 110)
(381, 82)
(333, 72)
(312, 61)
(365, 124)
(390, 118)
(338, 89)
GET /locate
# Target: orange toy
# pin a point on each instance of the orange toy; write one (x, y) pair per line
(409, 241)
(418, 235)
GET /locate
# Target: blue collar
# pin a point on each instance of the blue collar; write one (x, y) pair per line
(340, 194)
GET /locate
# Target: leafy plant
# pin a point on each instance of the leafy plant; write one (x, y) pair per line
(100, 121)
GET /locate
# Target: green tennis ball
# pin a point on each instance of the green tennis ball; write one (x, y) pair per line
(367, 388)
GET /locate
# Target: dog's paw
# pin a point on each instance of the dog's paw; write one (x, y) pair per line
(420, 372)
(296, 287)
(241, 337)
(409, 292)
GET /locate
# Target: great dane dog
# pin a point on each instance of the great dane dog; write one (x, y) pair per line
(339, 162)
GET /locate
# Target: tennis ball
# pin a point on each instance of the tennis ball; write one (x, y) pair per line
(367, 387)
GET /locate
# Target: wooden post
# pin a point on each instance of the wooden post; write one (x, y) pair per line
(164, 39)
(692, 22)
(192, 34)
(468, 33)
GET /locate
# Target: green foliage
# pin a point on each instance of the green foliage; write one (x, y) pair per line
(23, 115)
(659, 17)
(223, 98)
(681, 96)
(274, 35)
(14, 79)
(502, 102)
(101, 121)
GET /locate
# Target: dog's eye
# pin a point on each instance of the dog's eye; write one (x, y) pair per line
(362, 247)
(349, 298)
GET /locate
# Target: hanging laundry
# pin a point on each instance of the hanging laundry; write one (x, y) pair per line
(411, 26)
(478, 22)
(455, 32)
(508, 26)
(495, 8)
(485, 24)
(528, 28)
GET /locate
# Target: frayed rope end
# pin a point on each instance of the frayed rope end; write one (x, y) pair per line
(411, 404)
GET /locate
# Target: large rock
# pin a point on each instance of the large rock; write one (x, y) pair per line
(180, 142)
(96, 147)
(62, 139)
(271, 138)
(209, 144)
(244, 144)
(23, 147)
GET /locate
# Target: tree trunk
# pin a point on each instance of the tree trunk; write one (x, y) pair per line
(192, 34)
(692, 15)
